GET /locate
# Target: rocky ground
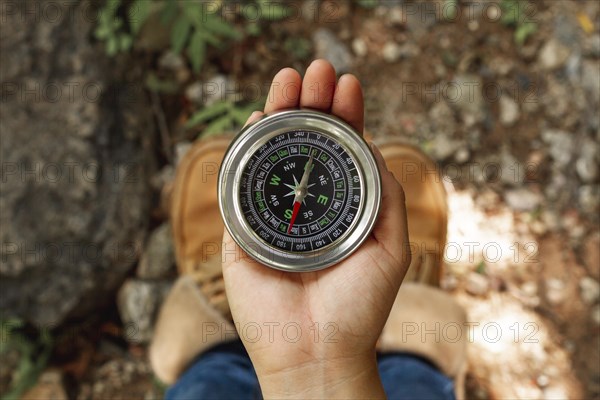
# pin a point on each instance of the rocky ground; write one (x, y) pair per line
(514, 129)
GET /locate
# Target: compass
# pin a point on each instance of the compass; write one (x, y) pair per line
(299, 190)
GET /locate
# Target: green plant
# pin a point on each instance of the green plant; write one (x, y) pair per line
(367, 3)
(515, 14)
(222, 116)
(194, 25)
(450, 9)
(299, 47)
(33, 355)
(110, 29)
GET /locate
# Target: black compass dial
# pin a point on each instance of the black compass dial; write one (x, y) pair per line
(300, 191)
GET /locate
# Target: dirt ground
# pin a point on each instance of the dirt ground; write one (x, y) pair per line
(530, 284)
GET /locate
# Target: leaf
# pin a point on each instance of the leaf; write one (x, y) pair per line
(112, 5)
(158, 85)
(102, 31)
(253, 28)
(219, 126)
(239, 115)
(138, 14)
(197, 51)
(193, 12)
(125, 42)
(211, 39)
(180, 33)
(273, 11)
(112, 46)
(169, 12)
(220, 27)
(510, 12)
(450, 10)
(367, 3)
(208, 113)
(523, 31)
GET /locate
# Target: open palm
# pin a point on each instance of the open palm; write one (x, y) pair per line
(287, 320)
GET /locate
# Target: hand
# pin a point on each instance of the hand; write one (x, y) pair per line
(350, 301)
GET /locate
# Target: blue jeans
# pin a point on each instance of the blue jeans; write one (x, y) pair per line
(225, 372)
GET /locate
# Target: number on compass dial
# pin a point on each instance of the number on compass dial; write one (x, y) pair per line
(300, 191)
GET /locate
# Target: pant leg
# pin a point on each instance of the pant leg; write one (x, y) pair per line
(223, 372)
(410, 377)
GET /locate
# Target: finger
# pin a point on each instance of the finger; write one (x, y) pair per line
(348, 102)
(284, 91)
(391, 229)
(255, 116)
(318, 86)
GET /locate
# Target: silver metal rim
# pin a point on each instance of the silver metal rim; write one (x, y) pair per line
(244, 146)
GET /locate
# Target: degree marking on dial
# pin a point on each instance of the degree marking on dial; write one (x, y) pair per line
(305, 142)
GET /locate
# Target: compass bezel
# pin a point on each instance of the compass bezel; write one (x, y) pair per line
(249, 141)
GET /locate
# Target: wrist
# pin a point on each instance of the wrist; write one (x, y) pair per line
(346, 378)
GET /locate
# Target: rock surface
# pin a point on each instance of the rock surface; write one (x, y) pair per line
(138, 303)
(328, 46)
(74, 201)
(159, 255)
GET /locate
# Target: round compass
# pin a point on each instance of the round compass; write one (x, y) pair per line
(299, 190)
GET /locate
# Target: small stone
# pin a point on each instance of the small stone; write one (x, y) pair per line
(542, 381)
(538, 227)
(449, 282)
(181, 149)
(464, 93)
(522, 199)
(329, 47)
(477, 284)
(391, 52)
(195, 93)
(590, 81)
(509, 111)
(158, 258)
(595, 314)
(561, 146)
(219, 88)
(529, 289)
(49, 385)
(501, 66)
(589, 289)
(587, 163)
(589, 198)
(592, 46)
(359, 46)
(462, 155)
(555, 291)
(511, 172)
(163, 177)
(443, 147)
(553, 55)
(396, 16)
(171, 61)
(138, 302)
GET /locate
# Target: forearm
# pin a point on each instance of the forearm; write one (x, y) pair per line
(337, 379)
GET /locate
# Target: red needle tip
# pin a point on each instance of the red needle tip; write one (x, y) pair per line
(294, 214)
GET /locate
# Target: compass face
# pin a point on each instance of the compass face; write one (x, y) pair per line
(328, 203)
(299, 190)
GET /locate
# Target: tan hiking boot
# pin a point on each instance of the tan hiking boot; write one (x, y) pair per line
(195, 316)
(426, 207)
(424, 319)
